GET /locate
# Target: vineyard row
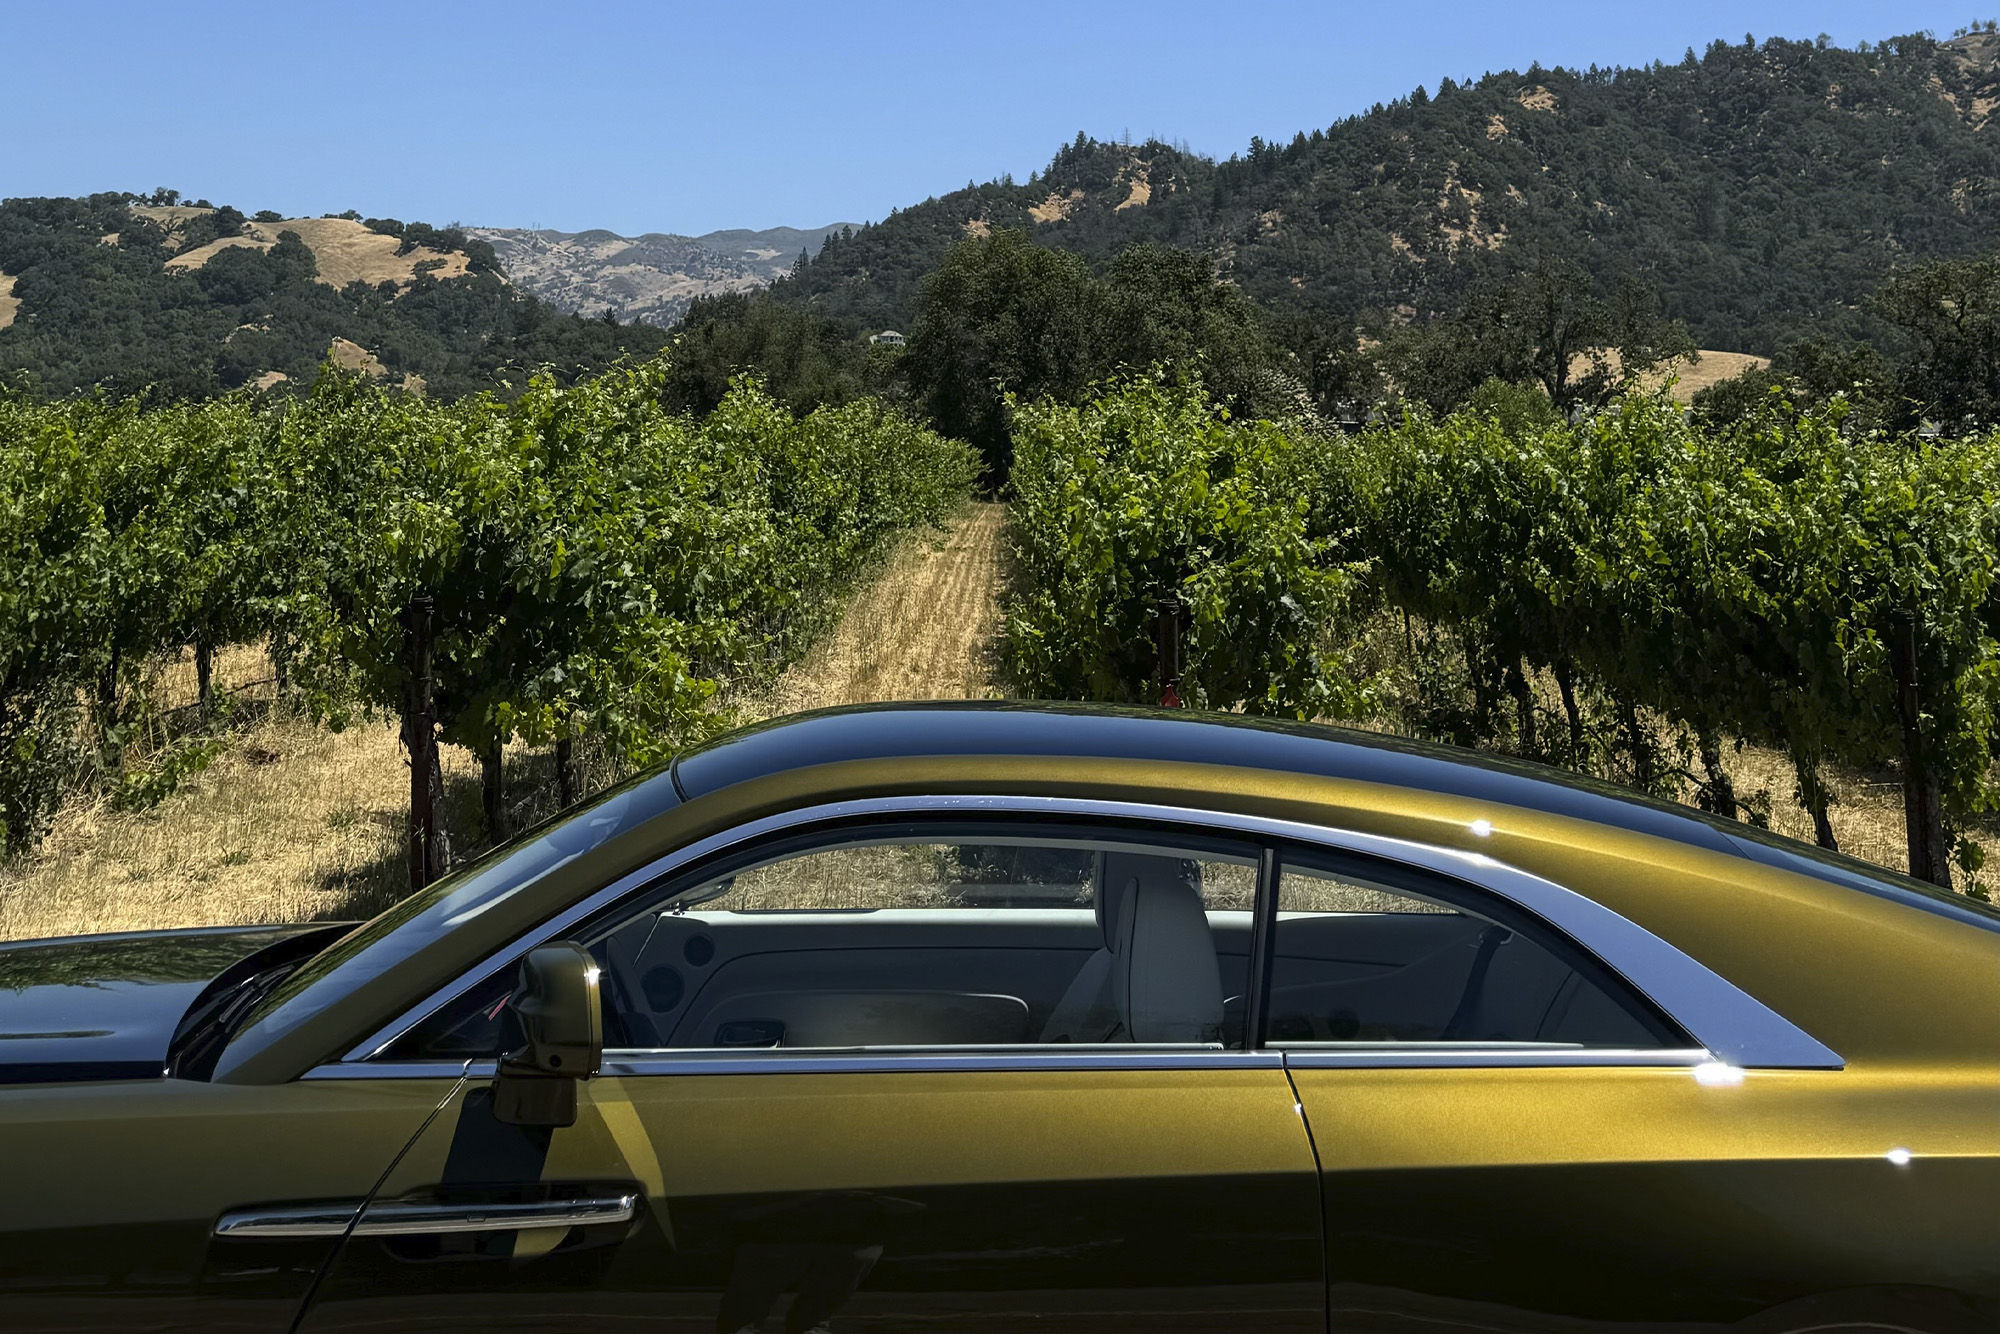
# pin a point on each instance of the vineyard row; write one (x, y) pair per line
(1782, 581)
(576, 563)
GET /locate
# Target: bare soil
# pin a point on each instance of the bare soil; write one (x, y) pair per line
(9, 303)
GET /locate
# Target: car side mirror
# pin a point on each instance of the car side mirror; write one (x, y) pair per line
(562, 1031)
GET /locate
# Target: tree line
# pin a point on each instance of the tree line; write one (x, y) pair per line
(1005, 316)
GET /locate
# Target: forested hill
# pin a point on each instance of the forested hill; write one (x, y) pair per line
(1764, 188)
(149, 295)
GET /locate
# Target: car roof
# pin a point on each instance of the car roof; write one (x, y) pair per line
(917, 730)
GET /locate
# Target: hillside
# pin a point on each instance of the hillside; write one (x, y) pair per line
(1764, 188)
(651, 278)
(150, 295)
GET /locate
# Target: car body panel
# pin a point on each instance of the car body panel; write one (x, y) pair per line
(1576, 1199)
(1066, 1199)
(1524, 1199)
(112, 1190)
(105, 1007)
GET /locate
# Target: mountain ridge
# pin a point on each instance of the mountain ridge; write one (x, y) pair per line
(1763, 189)
(650, 278)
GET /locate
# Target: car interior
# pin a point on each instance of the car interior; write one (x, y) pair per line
(1023, 944)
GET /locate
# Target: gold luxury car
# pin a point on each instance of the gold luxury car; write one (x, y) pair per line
(1035, 1018)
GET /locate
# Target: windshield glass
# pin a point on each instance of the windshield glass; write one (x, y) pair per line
(376, 946)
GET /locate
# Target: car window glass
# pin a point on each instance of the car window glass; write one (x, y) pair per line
(1363, 962)
(984, 940)
(410, 925)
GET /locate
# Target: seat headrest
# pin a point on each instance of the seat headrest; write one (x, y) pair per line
(1166, 980)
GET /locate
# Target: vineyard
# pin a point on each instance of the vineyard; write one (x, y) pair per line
(578, 569)
(1627, 595)
(583, 582)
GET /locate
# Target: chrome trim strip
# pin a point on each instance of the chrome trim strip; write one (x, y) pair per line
(1491, 1058)
(412, 1220)
(1731, 1024)
(1375, 1056)
(403, 1070)
(801, 1062)
(305, 1220)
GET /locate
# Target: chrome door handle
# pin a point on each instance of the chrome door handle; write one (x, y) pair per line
(410, 1220)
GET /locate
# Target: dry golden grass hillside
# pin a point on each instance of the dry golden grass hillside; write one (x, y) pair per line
(344, 250)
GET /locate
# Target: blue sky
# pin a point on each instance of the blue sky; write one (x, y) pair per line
(687, 118)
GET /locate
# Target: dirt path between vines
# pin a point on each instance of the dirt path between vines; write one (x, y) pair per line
(927, 628)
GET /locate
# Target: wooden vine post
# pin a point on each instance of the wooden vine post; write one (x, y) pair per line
(1167, 647)
(427, 853)
(1923, 803)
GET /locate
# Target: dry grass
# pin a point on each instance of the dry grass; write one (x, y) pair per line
(291, 823)
(351, 356)
(1140, 195)
(201, 254)
(1690, 376)
(347, 252)
(1056, 207)
(343, 249)
(10, 304)
(1867, 814)
(1713, 368)
(927, 628)
(294, 822)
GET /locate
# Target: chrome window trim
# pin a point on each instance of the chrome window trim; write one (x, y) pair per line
(1493, 1058)
(403, 1070)
(1384, 1056)
(1730, 1025)
(917, 1061)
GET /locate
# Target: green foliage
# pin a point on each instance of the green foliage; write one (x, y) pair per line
(1150, 496)
(596, 564)
(1003, 316)
(144, 788)
(807, 362)
(1776, 578)
(1546, 327)
(1949, 316)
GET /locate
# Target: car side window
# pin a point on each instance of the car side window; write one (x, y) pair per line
(1360, 961)
(920, 939)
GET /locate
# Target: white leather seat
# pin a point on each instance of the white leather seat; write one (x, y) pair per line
(1156, 978)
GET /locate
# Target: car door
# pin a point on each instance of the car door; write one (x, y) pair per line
(1514, 1137)
(114, 1191)
(957, 1074)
